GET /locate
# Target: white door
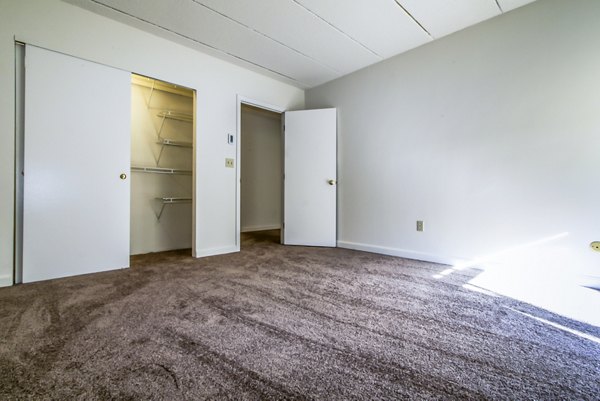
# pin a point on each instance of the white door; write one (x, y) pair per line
(310, 178)
(77, 144)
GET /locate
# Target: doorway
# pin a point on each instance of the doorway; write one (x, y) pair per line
(261, 170)
(308, 150)
(162, 127)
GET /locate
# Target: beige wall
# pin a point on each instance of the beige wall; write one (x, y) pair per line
(262, 170)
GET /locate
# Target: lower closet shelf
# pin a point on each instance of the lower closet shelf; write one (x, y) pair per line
(170, 201)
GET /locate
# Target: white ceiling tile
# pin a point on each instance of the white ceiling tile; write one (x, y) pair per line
(508, 5)
(380, 25)
(197, 23)
(442, 17)
(302, 42)
(292, 25)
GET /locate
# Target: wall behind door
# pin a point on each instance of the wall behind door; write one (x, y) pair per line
(261, 170)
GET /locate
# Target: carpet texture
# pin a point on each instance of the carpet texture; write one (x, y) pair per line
(283, 323)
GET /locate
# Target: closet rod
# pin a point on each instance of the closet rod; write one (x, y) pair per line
(160, 170)
(169, 200)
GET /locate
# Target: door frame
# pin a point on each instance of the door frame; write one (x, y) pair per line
(19, 161)
(238, 156)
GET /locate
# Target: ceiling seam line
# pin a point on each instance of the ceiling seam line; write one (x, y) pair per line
(270, 38)
(203, 44)
(414, 19)
(338, 29)
(499, 6)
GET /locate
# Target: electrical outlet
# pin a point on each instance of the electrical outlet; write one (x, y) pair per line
(595, 246)
(229, 163)
(420, 225)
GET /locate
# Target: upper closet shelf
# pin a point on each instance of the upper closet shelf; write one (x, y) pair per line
(170, 142)
(161, 86)
(160, 170)
(175, 115)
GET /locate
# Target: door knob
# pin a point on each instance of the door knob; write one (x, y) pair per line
(331, 182)
(123, 176)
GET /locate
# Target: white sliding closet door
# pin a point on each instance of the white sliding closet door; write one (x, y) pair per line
(77, 145)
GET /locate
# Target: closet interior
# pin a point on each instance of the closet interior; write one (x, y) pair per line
(162, 126)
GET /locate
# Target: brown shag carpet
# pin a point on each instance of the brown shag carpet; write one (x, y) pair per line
(274, 323)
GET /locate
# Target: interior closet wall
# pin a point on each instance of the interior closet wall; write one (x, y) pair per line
(157, 225)
(261, 169)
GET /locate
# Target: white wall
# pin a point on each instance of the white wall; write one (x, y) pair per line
(65, 28)
(261, 170)
(174, 228)
(490, 135)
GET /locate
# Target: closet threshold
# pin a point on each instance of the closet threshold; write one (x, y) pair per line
(160, 170)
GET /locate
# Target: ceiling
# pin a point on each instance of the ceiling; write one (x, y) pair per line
(302, 42)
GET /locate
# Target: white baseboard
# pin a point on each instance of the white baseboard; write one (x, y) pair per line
(216, 251)
(6, 280)
(403, 253)
(260, 228)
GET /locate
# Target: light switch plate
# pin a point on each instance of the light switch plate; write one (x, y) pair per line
(228, 162)
(420, 225)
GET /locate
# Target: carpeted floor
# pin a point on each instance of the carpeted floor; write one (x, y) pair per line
(274, 323)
